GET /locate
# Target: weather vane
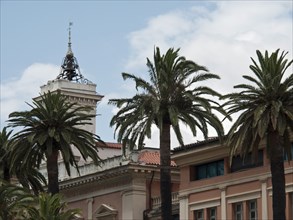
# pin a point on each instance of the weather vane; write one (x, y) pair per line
(69, 31)
(69, 67)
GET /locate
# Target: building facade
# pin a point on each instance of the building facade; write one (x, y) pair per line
(124, 185)
(205, 185)
(211, 188)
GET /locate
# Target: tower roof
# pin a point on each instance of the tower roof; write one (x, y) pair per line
(69, 67)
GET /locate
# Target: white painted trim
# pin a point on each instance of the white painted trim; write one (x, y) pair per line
(223, 204)
(288, 189)
(185, 158)
(205, 204)
(97, 193)
(264, 200)
(226, 183)
(90, 208)
(239, 197)
(183, 207)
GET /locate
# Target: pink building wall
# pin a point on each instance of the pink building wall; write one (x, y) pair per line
(224, 191)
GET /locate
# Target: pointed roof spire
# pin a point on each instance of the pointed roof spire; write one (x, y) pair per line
(69, 67)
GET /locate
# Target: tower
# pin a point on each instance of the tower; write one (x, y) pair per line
(71, 83)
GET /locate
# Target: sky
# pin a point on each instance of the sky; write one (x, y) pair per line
(111, 37)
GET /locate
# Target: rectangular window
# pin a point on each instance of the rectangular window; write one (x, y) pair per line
(252, 210)
(198, 214)
(238, 211)
(240, 163)
(208, 170)
(212, 213)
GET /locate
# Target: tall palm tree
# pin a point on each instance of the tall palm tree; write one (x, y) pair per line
(171, 96)
(52, 126)
(266, 108)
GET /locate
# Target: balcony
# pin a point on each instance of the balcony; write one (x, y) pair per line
(156, 201)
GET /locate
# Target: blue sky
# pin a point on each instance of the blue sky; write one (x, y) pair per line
(111, 37)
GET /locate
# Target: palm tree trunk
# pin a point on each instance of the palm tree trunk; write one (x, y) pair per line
(6, 172)
(278, 175)
(165, 173)
(52, 169)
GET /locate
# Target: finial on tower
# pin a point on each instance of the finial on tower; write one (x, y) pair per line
(69, 39)
(69, 67)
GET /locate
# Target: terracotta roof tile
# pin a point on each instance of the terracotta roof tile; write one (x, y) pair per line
(151, 158)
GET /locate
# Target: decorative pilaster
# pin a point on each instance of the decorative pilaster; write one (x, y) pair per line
(134, 200)
(90, 208)
(183, 207)
(223, 203)
(264, 199)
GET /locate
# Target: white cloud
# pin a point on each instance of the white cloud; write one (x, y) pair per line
(161, 31)
(222, 38)
(232, 28)
(16, 92)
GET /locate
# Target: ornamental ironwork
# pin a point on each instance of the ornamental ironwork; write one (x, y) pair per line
(69, 67)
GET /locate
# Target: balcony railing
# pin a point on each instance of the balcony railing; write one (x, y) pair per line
(156, 201)
(86, 168)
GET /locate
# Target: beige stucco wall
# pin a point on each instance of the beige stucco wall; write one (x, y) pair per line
(83, 94)
(126, 191)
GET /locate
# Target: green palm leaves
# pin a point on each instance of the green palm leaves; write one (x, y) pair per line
(51, 207)
(266, 104)
(52, 126)
(13, 201)
(17, 203)
(266, 113)
(27, 175)
(171, 95)
(53, 123)
(4, 160)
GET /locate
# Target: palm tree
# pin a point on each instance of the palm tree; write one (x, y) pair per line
(13, 200)
(52, 126)
(266, 114)
(4, 161)
(50, 207)
(170, 97)
(29, 177)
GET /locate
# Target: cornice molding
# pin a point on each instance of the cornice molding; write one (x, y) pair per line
(116, 173)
